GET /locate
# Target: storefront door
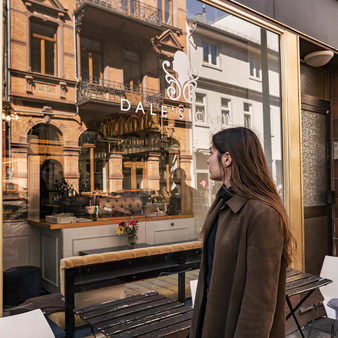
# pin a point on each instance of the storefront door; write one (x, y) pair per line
(316, 181)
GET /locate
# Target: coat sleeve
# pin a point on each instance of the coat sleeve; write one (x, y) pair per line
(264, 254)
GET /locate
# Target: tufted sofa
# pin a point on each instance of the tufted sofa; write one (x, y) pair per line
(119, 205)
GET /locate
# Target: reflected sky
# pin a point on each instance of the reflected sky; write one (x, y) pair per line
(195, 7)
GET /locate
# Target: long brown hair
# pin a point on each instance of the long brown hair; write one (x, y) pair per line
(251, 177)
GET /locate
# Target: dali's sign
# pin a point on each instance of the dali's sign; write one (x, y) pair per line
(184, 86)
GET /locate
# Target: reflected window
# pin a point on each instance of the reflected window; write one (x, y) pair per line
(131, 71)
(91, 60)
(166, 8)
(247, 114)
(200, 111)
(210, 53)
(44, 132)
(255, 66)
(43, 48)
(225, 112)
(93, 163)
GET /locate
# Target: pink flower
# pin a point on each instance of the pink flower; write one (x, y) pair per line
(133, 222)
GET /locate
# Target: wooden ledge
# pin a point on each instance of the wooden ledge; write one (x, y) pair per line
(102, 221)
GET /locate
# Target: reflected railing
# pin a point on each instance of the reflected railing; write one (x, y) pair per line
(111, 91)
(132, 8)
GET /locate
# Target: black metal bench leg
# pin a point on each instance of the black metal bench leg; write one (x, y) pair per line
(181, 287)
(292, 313)
(69, 305)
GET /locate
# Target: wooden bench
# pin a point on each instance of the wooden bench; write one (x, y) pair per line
(83, 273)
(148, 314)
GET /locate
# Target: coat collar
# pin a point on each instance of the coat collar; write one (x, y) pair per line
(235, 203)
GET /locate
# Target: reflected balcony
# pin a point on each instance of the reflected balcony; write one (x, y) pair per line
(100, 12)
(101, 95)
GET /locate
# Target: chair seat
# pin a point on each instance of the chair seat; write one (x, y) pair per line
(333, 303)
(30, 324)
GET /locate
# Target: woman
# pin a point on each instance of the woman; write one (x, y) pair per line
(247, 245)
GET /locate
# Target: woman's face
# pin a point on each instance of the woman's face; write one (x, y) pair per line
(215, 169)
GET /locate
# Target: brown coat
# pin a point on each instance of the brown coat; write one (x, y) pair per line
(246, 295)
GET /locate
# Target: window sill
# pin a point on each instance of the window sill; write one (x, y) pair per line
(210, 65)
(257, 79)
(202, 125)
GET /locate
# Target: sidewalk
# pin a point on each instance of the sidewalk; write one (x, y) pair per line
(321, 329)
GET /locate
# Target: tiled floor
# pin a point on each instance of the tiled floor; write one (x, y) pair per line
(321, 329)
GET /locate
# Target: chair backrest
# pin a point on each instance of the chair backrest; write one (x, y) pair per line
(330, 271)
(32, 324)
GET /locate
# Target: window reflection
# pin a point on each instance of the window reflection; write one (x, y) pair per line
(138, 147)
(243, 90)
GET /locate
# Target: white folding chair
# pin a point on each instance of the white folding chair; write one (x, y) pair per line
(193, 287)
(330, 271)
(31, 324)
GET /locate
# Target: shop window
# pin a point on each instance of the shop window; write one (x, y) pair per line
(247, 114)
(166, 8)
(91, 60)
(210, 54)
(225, 112)
(200, 110)
(43, 48)
(255, 67)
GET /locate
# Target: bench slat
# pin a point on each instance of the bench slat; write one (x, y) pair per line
(297, 277)
(114, 302)
(308, 287)
(181, 330)
(122, 306)
(135, 316)
(302, 282)
(154, 327)
(130, 310)
(147, 320)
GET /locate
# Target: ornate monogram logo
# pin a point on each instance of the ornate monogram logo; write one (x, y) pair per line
(186, 83)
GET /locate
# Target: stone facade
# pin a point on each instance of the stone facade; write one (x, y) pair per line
(70, 104)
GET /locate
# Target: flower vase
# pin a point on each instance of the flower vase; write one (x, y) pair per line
(131, 241)
(131, 244)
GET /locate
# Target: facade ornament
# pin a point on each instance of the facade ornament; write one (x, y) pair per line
(79, 20)
(166, 43)
(63, 89)
(29, 84)
(186, 82)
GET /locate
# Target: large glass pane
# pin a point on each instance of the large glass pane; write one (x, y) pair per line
(135, 144)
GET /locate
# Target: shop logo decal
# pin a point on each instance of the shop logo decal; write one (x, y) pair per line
(186, 83)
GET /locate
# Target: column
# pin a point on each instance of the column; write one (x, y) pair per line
(115, 176)
(153, 172)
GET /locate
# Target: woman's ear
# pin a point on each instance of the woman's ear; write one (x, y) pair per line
(226, 160)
